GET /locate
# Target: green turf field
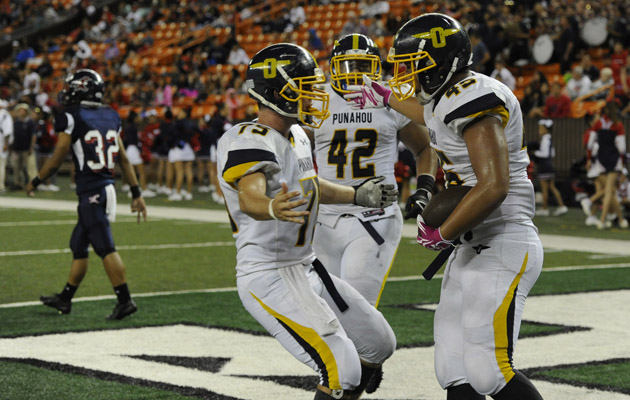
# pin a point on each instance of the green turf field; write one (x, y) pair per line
(191, 338)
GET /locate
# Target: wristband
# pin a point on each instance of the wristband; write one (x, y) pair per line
(35, 182)
(426, 182)
(271, 214)
(135, 192)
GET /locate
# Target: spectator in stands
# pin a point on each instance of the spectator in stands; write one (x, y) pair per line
(579, 84)
(32, 81)
(163, 170)
(216, 52)
(237, 55)
(233, 103)
(588, 67)
(481, 54)
(353, 25)
(535, 96)
(296, 16)
(604, 81)
(182, 156)
(6, 139)
(314, 41)
(545, 171)
(565, 44)
(517, 37)
(624, 77)
(558, 104)
(23, 147)
(373, 8)
(617, 62)
(502, 74)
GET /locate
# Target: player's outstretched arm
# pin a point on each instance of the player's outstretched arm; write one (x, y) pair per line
(137, 203)
(371, 193)
(375, 95)
(254, 202)
(51, 165)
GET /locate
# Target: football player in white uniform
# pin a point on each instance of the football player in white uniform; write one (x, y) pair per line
(358, 244)
(272, 194)
(476, 127)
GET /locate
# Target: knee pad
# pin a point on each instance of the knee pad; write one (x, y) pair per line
(482, 371)
(440, 363)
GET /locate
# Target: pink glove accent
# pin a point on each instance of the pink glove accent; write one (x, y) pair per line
(382, 91)
(369, 95)
(431, 238)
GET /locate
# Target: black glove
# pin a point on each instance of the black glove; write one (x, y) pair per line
(419, 200)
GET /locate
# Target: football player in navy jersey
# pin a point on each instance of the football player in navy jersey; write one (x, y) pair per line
(90, 130)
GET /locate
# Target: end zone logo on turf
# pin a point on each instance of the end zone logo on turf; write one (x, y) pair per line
(215, 363)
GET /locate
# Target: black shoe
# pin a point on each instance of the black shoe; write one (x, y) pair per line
(123, 309)
(55, 301)
(375, 380)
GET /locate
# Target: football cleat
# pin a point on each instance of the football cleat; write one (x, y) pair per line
(56, 302)
(375, 380)
(123, 309)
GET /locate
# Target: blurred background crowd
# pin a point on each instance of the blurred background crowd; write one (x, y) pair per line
(166, 61)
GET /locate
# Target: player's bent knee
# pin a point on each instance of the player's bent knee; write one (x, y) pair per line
(482, 371)
(441, 365)
(79, 255)
(105, 252)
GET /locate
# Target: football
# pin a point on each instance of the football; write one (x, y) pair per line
(442, 205)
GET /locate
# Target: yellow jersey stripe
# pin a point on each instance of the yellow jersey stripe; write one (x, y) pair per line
(235, 173)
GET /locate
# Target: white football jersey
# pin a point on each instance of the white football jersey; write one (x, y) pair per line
(354, 145)
(251, 147)
(472, 97)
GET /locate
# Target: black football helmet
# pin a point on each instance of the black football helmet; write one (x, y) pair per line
(434, 47)
(353, 56)
(83, 85)
(282, 76)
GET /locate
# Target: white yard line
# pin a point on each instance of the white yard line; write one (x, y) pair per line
(557, 242)
(132, 247)
(233, 289)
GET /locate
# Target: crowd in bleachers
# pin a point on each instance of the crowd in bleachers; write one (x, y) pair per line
(192, 55)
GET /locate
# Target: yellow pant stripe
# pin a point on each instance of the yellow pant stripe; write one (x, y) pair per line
(502, 340)
(378, 299)
(310, 338)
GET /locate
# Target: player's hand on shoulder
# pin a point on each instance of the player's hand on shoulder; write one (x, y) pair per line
(282, 207)
(431, 238)
(375, 194)
(369, 95)
(138, 205)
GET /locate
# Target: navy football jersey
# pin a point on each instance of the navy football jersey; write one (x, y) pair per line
(94, 134)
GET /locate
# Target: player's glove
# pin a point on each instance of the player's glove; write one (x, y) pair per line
(431, 238)
(419, 200)
(369, 95)
(371, 193)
